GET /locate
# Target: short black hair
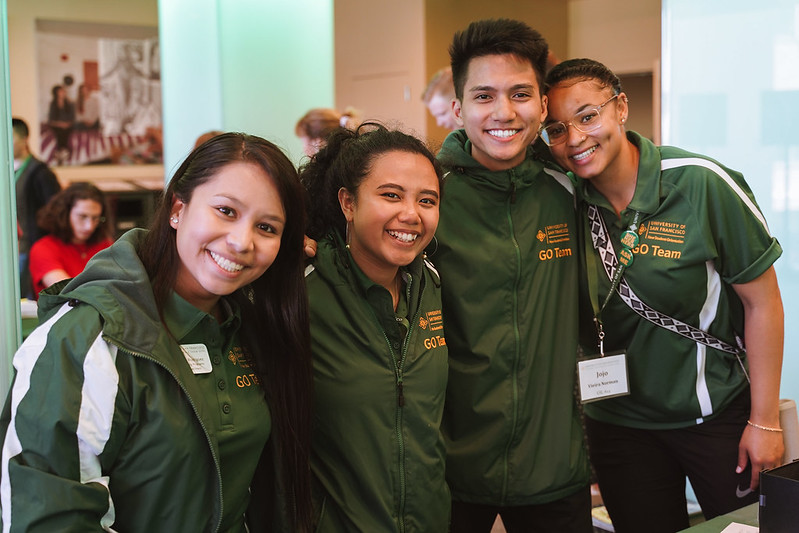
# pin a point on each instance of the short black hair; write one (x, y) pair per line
(496, 37)
(19, 127)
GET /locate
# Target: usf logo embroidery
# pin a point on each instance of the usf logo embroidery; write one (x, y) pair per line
(555, 238)
(661, 239)
(239, 357)
(432, 320)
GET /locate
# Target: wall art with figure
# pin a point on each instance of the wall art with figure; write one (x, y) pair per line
(100, 99)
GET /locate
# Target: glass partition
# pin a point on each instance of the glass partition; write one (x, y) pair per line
(730, 90)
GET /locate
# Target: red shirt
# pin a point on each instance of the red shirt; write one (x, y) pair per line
(51, 253)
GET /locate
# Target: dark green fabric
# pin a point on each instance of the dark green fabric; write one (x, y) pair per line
(507, 254)
(160, 456)
(378, 465)
(700, 231)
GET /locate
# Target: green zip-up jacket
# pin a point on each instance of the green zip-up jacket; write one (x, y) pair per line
(104, 428)
(507, 253)
(378, 454)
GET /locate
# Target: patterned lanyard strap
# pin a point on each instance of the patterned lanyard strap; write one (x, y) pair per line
(603, 246)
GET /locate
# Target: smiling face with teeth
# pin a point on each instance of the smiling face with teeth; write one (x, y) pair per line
(393, 214)
(227, 234)
(596, 155)
(501, 109)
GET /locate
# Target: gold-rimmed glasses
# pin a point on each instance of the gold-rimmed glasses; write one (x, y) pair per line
(585, 121)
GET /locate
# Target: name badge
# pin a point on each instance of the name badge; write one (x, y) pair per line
(197, 357)
(603, 377)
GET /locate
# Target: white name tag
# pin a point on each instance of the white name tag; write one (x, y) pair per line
(603, 377)
(197, 357)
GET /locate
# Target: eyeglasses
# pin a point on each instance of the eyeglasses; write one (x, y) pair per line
(585, 121)
(90, 218)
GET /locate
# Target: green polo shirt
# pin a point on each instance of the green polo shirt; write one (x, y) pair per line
(700, 231)
(231, 390)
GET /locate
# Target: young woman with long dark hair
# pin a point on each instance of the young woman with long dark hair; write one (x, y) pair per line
(168, 386)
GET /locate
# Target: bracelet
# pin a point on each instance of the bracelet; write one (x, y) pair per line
(764, 428)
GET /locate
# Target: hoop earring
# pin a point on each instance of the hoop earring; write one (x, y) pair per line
(425, 254)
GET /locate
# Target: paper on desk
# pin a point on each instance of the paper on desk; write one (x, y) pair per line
(735, 527)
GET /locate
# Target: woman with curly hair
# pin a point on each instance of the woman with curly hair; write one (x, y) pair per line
(77, 225)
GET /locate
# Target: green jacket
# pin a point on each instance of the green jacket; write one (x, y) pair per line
(378, 454)
(103, 427)
(507, 253)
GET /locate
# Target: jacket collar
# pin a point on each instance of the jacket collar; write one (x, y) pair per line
(456, 155)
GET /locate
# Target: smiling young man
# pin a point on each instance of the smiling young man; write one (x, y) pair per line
(507, 255)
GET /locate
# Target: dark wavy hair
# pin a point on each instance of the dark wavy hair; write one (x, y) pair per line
(274, 308)
(344, 162)
(53, 218)
(582, 69)
(496, 37)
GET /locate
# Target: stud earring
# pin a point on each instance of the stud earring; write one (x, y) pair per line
(174, 220)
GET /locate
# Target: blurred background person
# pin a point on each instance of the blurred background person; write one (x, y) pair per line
(87, 109)
(205, 136)
(35, 184)
(77, 224)
(61, 119)
(315, 125)
(438, 97)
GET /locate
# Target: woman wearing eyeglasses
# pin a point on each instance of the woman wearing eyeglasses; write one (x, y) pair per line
(678, 269)
(77, 227)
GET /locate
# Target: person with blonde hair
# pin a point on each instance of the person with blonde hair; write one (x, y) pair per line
(315, 126)
(438, 97)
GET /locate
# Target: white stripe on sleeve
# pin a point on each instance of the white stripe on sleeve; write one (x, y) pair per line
(24, 361)
(100, 385)
(720, 172)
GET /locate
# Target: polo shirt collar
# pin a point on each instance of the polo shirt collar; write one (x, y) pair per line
(181, 317)
(646, 198)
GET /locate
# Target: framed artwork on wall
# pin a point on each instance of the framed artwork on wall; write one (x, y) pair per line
(99, 93)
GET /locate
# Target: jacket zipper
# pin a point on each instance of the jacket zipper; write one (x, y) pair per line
(398, 368)
(196, 414)
(516, 357)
